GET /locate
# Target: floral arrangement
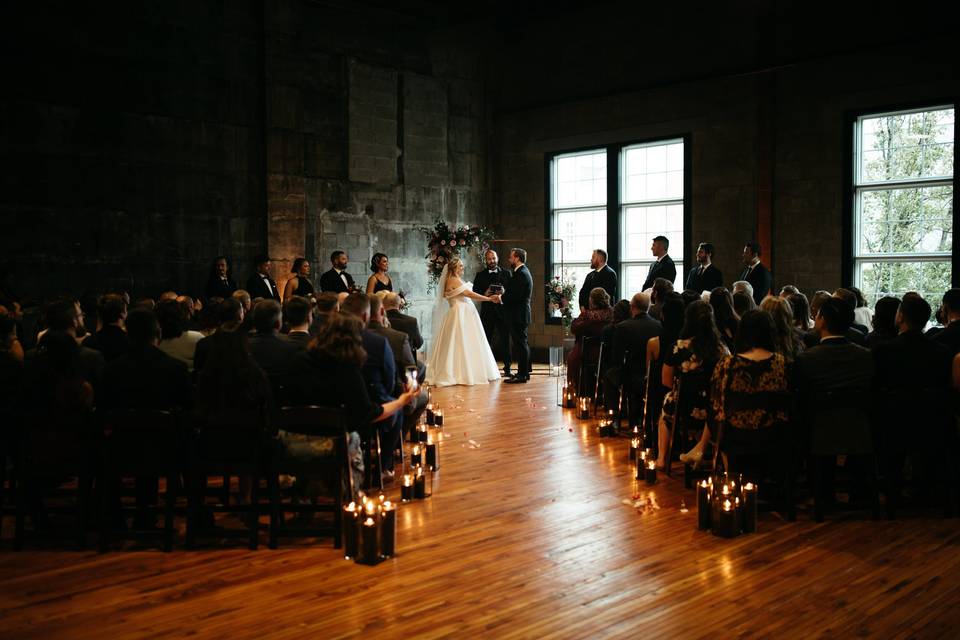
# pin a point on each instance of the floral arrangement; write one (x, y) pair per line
(404, 303)
(444, 242)
(560, 292)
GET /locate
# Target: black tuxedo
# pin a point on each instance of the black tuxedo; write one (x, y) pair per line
(217, 287)
(664, 268)
(760, 279)
(516, 312)
(605, 278)
(257, 288)
(708, 280)
(331, 281)
(492, 315)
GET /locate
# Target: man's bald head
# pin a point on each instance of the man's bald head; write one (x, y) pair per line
(391, 301)
(640, 303)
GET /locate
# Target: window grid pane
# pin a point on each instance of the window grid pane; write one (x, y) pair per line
(642, 224)
(580, 180)
(653, 172)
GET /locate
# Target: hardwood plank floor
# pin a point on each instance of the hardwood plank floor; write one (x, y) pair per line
(525, 536)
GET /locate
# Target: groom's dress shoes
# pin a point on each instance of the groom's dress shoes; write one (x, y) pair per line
(518, 379)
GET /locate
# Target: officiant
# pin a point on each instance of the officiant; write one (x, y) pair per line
(602, 276)
(487, 282)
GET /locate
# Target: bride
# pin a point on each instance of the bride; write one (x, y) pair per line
(460, 353)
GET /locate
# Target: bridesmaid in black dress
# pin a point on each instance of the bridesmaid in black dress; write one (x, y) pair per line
(299, 285)
(379, 281)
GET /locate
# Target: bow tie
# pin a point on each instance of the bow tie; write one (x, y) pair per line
(493, 271)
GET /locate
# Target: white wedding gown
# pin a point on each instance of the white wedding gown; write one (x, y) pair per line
(460, 353)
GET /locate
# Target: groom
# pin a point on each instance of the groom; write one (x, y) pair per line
(516, 311)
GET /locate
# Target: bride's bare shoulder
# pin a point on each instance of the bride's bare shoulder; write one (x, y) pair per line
(453, 283)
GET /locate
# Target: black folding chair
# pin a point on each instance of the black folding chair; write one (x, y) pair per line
(148, 445)
(334, 470)
(591, 355)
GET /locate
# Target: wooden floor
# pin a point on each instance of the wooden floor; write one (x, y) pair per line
(526, 536)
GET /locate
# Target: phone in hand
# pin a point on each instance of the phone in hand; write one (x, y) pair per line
(411, 374)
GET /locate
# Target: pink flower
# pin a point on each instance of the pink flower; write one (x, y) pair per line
(463, 242)
(443, 242)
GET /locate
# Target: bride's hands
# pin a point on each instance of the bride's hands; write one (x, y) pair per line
(496, 299)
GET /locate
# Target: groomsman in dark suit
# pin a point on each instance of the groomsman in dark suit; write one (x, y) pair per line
(602, 276)
(516, 308)
(705, 276)
(260, 284)
(492, 314)
(755, 273)
(337, 280)
(663, 267)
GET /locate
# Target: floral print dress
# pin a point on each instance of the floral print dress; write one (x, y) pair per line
(741, 391)
(694, 375)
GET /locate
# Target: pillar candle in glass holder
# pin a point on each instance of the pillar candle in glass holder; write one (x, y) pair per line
(703, 505)
(388, 529)
(570, 397)
(430, 414)
(634, 447)
(406, 488)
(584, 411)
(433, 454)
(422, 431)
(651, 472)
(437, 417)
(726, 521)
(419, 484)
(416, 456)
(370, 542)
(749, 507)
(641, 465)
(350, 529)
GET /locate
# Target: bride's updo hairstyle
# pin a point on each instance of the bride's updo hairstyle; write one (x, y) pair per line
(454, 266)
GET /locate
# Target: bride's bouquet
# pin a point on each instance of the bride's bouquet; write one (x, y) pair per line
(560, 292)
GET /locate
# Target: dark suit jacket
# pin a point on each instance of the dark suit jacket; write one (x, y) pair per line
(662, 269)
(258, 289)
(380, 369)
(331, 281)
(912, 361)
(145, 379)
(760, 279)
(949, 337)
(327, 383)
(217, 288)
(632, 335)
(274, 354)
(407, 324)
(482, 282)
(835, 364)
(516, 297)
(710, 279)
(300, 338)
(605, 278)
(400, 345)
(111, 341)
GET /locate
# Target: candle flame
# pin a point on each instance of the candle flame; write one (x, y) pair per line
(726, 505)
(368, 522)
(749, 486)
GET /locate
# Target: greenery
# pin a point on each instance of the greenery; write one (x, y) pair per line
(909, 219)
(444, 242)
(560, 292)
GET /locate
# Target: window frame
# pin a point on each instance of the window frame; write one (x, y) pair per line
(615, 204)
(853, 189)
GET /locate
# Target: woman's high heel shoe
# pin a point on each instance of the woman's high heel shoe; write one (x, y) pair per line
(694, 457)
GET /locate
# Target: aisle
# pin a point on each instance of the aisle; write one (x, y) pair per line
(526, 536)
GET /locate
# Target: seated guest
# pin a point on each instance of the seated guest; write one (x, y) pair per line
(298, 315)
(220, 283)
(176, 340)
(191, 309)
(857, 333)
(327, 304)
(330, 374)
(110, 339)
(802, 319)
(11, 366)
(145, 378)
(746, 287)
(299, 284)
(401, 321)
(834, 363)
(950, 311)
(692, 360)
(272, 352)
(621, 312)
(230, 316)
(63, 316)
(230, 377)
(742, 302)
(243, 297)
(661, 287)
(742, 383)
(337, 279)
(658, 348)
(689, 295)
(56, 377)
(884, 321)
(788, 290)
(726, 318)
(209, 317)
(788, 341)
(861, 313)
(379, 372)
(911, 361)
(813, 338)
(631, 337)
(167, 295)
(590, 323)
